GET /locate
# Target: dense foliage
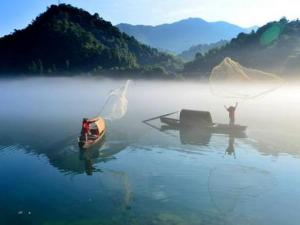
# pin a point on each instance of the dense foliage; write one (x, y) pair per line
(68, 39)
(274, 47)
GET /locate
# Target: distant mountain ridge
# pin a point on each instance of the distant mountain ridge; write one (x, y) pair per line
(181, 35)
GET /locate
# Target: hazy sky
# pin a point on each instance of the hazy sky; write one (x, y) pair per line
(18, 13)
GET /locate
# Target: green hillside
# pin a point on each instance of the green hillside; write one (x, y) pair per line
(274, 48)
(191, 53)
(67, 39)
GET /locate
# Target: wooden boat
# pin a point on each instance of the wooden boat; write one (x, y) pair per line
(97, 132)
(214, 128)
(200, 120)
(227, 129)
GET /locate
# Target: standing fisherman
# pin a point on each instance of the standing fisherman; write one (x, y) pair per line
(231, 111)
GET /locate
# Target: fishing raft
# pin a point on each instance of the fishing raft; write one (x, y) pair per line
(96, 135)
(200, 120)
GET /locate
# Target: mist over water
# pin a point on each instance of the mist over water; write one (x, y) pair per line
(140, 174)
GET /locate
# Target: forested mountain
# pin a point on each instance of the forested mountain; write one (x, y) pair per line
(180, 36)
(68, 39)
(275, 47)
(190, 54)
(65, 39)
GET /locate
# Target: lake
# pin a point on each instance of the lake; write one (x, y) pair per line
(143, 174)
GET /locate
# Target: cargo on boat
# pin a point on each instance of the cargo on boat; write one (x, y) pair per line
(92, 135)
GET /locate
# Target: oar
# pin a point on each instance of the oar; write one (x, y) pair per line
(157, 117)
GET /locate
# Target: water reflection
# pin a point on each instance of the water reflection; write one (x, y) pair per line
(103, 152)
(194, 136)
(179, 176)
(230, 185)
(198, 136)
(88, 157)
(60, 147)
(118, 180)
(230, 149)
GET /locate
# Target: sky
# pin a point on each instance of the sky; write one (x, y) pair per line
(16, 14)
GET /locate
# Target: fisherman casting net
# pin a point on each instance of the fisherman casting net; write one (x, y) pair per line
(229, 79)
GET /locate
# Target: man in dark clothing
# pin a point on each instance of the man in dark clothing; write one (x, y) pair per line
(231, 111)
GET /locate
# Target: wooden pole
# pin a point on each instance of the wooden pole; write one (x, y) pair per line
(157, 117)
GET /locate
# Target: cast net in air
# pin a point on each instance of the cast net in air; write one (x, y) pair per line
(115, 106)
(230, 79)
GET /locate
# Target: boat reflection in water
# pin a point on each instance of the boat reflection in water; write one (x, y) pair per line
(110, 179)
(58, 143)
(200, 137)
(104, 151)
(88, 156)
(192, 136)
(197, 128)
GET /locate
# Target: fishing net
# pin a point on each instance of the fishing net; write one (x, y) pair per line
(229, 79)
(115, 106)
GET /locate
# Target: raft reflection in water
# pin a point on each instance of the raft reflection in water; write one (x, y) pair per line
(202, 137)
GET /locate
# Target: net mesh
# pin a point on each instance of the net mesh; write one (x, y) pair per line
(115, 106)
(232, 80)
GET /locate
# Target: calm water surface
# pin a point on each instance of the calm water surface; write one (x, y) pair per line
(141, 174)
